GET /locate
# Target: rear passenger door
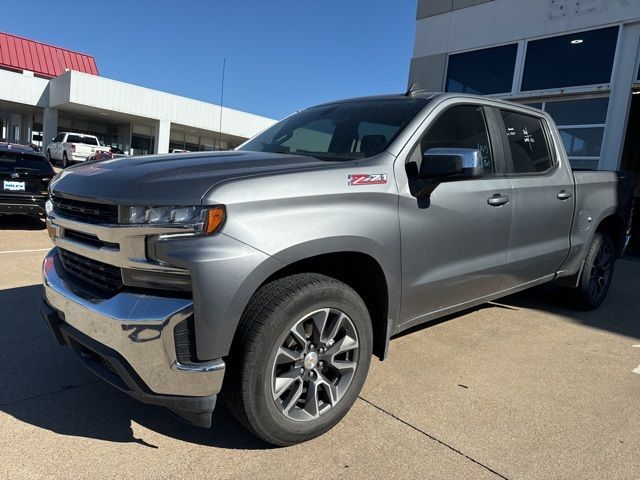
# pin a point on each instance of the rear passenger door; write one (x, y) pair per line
(543, 197)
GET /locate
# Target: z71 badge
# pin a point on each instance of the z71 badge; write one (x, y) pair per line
(367, 179)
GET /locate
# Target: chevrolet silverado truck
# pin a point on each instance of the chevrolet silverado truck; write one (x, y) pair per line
(272, 273)
(70, 148)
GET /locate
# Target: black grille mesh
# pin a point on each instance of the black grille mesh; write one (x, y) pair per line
(98, 274)
(85, 211)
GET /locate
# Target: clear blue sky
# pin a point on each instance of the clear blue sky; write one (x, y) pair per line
(281, 54)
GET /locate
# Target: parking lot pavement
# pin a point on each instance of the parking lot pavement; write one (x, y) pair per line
(522, 389)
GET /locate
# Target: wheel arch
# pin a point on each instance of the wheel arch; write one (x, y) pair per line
(614, 226)
(361, 272)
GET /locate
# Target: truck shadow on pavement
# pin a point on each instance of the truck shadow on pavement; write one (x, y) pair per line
(46, 386)
(21, 222)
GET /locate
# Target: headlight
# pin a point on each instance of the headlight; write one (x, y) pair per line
(48, 207)
(204, 220)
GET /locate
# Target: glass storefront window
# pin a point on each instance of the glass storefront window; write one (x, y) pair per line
(582, 142)
(484, 72)
(584, 58)
(579, 112)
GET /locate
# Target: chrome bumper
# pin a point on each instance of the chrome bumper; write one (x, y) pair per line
(139, 327)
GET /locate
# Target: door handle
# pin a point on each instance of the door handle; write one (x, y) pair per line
(497, 200)
(564, 195)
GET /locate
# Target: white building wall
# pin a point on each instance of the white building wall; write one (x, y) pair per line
(111, 95)
(505, 21)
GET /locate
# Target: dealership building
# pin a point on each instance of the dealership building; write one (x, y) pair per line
(45, 90)
(576, 59)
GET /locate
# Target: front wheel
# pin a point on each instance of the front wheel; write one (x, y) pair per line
(597, 273)
(300, 358)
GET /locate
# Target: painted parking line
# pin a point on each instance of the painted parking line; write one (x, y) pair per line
(637, 369)
(26, 251)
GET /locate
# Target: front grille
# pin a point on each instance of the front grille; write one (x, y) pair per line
(106, 277)
(88, 239)
(88, 212)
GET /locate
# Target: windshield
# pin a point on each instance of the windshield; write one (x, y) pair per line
(341, 131)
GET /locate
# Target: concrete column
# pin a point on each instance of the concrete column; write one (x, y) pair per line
(163, 131)
(49, 126)
(624, 74)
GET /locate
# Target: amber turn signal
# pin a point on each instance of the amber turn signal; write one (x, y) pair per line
(215, 219)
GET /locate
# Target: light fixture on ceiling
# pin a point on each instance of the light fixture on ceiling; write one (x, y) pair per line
(105, 114)
(577, 41)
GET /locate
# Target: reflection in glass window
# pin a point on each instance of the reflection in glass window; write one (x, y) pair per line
(584, 58)
(462, 126)
(482, 72)
(579, 112)
(582, 142)
(527, 141)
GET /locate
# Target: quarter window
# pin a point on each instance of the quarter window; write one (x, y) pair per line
(527, 142)
(462, 126)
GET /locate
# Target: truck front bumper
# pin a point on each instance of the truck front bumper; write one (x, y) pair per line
(128, 340)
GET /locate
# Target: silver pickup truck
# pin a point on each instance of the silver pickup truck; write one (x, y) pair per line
(282, 266)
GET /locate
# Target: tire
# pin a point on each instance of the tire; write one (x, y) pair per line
(65, 160)
(266, 335)
(49, 156)
(597, 273)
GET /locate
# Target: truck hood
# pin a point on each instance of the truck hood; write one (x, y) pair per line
(175, 179)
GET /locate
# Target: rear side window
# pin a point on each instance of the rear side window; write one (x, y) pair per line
(528, 144)
(462, 126)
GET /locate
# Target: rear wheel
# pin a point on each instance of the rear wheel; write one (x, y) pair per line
(65, 160)
(49, 156)
(597, 273)
(300, 358)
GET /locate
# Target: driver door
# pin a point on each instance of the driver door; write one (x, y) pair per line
(454, 243)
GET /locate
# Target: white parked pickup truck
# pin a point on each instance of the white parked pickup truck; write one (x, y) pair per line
(70, 147)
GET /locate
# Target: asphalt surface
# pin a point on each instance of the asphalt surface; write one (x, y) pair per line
(527, 389)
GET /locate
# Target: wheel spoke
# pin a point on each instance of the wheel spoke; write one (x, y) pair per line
(286, 355)
(330, 389)
(284, 381)
(345, 344)
(335, 328)
(299, 334)
(293, 398)
(312, 403)
(344, 367)
(320, 320)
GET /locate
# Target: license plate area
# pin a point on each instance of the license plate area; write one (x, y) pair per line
(13, 186)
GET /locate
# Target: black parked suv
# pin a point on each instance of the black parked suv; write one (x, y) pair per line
(24, 179)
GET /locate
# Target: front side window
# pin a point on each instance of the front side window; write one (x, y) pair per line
(584, 58)
(527, 143)
(462, 126)
(482, 72)
(340, 131)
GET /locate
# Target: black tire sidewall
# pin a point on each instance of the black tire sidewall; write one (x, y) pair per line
(268, 418)
(583, 294)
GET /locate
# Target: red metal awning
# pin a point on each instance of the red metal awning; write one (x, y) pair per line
(48, 61)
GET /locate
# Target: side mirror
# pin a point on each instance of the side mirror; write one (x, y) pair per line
(448, 164)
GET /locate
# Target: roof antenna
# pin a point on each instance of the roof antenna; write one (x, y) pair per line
(415, 86)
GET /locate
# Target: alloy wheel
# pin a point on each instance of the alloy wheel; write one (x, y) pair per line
(315, 364)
